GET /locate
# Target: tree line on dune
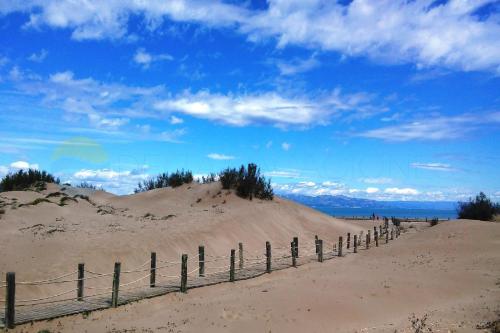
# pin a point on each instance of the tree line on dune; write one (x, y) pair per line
(247, 182)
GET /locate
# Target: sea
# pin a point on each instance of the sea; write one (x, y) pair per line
(396, 212)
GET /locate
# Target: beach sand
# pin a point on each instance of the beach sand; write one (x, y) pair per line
(448, 274)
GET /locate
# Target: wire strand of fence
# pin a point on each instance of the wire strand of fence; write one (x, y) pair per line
(45, 298)
(135, 281)
(47, 281)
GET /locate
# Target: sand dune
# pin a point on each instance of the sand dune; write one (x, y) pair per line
(448, 273)
(43, 240)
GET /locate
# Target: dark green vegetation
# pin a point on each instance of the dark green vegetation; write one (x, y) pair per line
(23, 180)
(87, 185)
(165, 180)
(434, 222)
(248, 182)
(479, 208)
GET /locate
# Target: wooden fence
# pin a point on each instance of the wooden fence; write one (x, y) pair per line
(152, 278)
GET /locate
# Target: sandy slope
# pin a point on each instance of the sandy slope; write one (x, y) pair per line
(46, 240)
(450, 272)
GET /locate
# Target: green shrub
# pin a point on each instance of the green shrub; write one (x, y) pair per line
(210, 178)
(35, 202)
(228, 178)
(87, 185)
(165, 180)
(23, 180)
(247, 182)
(434, 221)
(481, 208)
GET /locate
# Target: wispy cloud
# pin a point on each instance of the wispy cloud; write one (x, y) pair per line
(176, 120)
(297, 66)
(433, 166)
(39, 57)
(448, 34)
(271, 107)
(220, 157)
(282, 174)
(286, 146)
(145, 59)
(434, 128)
(380, 180)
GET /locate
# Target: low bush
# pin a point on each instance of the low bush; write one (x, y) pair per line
(23, 180)
(248, 182)
(210, 178)
(479, 208)
(35, 202)
(87, 185)
(165, 180)
(434, 221)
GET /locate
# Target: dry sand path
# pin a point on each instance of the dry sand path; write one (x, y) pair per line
(449, 273)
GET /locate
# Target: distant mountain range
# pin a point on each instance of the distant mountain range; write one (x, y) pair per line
(341, 201)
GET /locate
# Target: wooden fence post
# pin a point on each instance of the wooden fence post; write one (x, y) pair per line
(380, 231)
(201, 261)
(152, 271)
(296, 241)
(184, 270)
(292, 250)
(392, 233)
(240, 253)
(376, 238)
(340, 247)
(231, 265)
(348, 240)
(355, 243)
(79, 284)
(334, 248)
(367, 241)
(386, 236)
(369, 236)
(268, 257)
(10, 300)
(316, 243)
(116, 285)
(320, 250)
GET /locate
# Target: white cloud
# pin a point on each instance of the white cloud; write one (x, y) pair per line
(119, 182)
(23, 165)
(371, 190)
(3, 170)
(145, 59)
(39, 57)
(112, 105)
(282, 174)
(332, 184)
(175, 120)
(297, 66)
(436, 128)
(433, 166)
(269, 107)
(221, 157)
(425, 33)
(381, 180)
(402, 191)
(286, 146)
(306, 184)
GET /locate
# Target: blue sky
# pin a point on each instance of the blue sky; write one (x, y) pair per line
(389, 100)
